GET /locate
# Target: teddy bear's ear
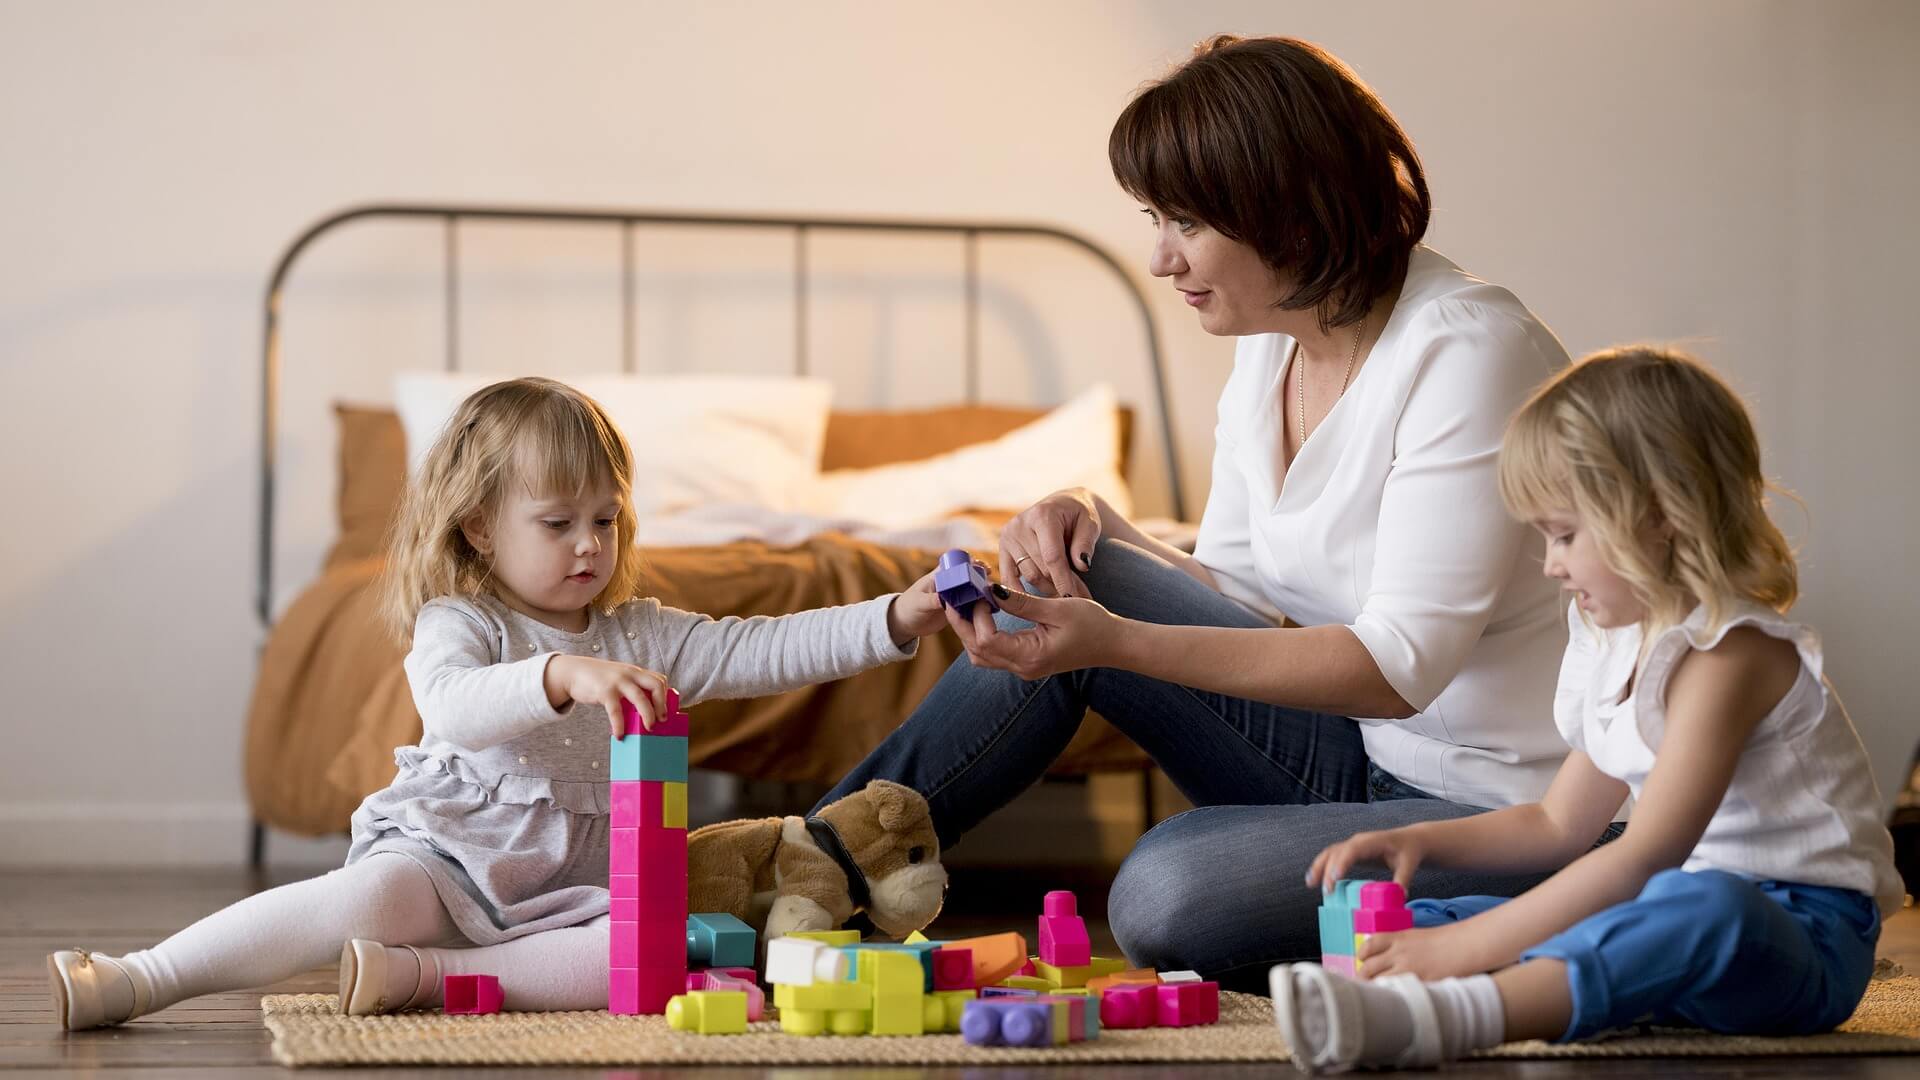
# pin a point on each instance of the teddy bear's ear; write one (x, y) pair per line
(897, 806)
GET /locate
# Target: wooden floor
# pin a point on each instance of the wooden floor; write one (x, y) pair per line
(221, 1035)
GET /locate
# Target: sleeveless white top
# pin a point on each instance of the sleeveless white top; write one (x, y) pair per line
(1802, 805)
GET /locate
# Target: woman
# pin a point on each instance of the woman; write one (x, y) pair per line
(1361, 638)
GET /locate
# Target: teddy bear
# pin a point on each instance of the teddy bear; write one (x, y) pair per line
(873, 850)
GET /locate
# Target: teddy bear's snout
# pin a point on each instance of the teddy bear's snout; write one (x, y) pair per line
(909, 898)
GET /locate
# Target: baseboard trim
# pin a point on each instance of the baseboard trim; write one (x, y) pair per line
(146, 834)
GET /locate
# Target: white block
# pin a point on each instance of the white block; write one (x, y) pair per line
(804, 962)
(1180, 977)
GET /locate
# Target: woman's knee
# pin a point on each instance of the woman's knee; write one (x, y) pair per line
(1150, 891)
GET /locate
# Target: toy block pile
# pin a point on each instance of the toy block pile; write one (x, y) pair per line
(1351, 912)
(647, 864)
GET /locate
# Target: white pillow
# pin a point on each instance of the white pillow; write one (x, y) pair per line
(1075, 445)
(697, 439)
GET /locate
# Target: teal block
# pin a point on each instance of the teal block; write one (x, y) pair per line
(1336, 918)
(649, 757)
(716, 939)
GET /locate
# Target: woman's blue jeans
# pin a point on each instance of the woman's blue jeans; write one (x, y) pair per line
(1219, 889)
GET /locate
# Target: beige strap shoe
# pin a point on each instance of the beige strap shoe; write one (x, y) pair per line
(364, 990)
(90, 990)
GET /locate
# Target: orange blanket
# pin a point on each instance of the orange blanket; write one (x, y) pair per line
(331, 701)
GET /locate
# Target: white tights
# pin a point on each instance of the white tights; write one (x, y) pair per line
(387, 898)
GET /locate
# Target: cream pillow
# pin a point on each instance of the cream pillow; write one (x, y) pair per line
(1075, 445)
(697, 439)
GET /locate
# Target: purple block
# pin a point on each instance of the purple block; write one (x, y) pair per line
(990, 1022)
(961, 583)
(470, 995)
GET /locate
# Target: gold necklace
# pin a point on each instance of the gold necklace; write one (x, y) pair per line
(1300, 380)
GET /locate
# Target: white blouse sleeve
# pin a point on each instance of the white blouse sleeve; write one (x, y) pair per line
(1445, 546)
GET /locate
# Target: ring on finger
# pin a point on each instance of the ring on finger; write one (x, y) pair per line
(1022, 559)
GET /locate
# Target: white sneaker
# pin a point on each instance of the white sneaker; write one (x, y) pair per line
(91, 991)
(363, 980)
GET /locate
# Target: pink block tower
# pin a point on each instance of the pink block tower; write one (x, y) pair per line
(647, 864)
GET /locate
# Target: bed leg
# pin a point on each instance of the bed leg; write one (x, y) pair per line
(257, 848)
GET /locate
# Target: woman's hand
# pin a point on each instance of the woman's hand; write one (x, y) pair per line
(1068, 634)
(1400, 849)
(607, 683)
(1432, 952)
(916, 612)
(1051, 543)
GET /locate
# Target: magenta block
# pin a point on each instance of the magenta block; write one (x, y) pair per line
(1076, 1015)
(623, 944)
(1063, 934)
(1382, 910)
(623, 852)
(674, 723)
(1128, 1006)
(653, 800)
(744, 974)
(623, 909)
(1188, 1004)
(623, 886)
(474, 995)
(953, 969)
(623, 803)
(623, 991)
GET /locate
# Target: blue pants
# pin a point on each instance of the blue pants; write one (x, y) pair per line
(1219, 889)
(1708, 949)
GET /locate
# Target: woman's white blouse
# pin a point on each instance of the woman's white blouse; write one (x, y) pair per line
(1390, 523)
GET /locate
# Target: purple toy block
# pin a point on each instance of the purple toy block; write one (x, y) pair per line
(1008, 992)
(675, 722)
(961, 583)
(1134, 1006)
(999, 1022)
(474, 995)
(1063, 934)
(1188, 1004)
(953, 969)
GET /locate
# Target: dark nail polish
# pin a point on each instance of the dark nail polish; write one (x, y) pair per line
(1086, 560)
(1000, 591)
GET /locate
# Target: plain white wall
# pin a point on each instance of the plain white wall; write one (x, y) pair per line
(1738, 175)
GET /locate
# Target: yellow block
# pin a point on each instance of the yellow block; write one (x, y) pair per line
(831, 997)
(917, 938)
(1026, 982)
(951, 1004)
(1062, 1023)
(839, 939)
(897, 980)
(1077, 976)
(709, 1012)
(673, 805)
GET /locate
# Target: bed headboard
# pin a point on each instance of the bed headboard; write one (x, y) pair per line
(970, 235)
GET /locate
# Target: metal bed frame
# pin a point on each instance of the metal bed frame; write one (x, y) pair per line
(969, 233)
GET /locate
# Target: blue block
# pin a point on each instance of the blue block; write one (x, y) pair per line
(716, 939)
(649, 757)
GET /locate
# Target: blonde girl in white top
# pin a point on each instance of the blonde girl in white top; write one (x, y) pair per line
(1746, 894)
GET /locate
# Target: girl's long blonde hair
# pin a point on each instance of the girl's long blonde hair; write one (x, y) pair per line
(1658, 458)
(539, 433)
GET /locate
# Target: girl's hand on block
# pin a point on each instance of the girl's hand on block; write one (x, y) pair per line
(1432, 952)
(915, 613)
(607, 683)
(1399, 849)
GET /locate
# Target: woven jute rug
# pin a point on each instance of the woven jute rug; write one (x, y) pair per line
(307, 1032)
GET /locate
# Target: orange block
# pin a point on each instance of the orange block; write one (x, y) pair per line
(995, 956)
(1131, 977)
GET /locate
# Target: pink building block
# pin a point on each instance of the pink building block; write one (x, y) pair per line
(1063, 934)
(953, 969)
(623, 991)
(718, 979)
(1187, 1004)
(474, 995)
(1130, 1006)
(1383, 909)
(674, 723)
(623, 804)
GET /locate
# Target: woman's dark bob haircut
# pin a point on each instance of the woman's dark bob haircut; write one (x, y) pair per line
(1276, 144)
